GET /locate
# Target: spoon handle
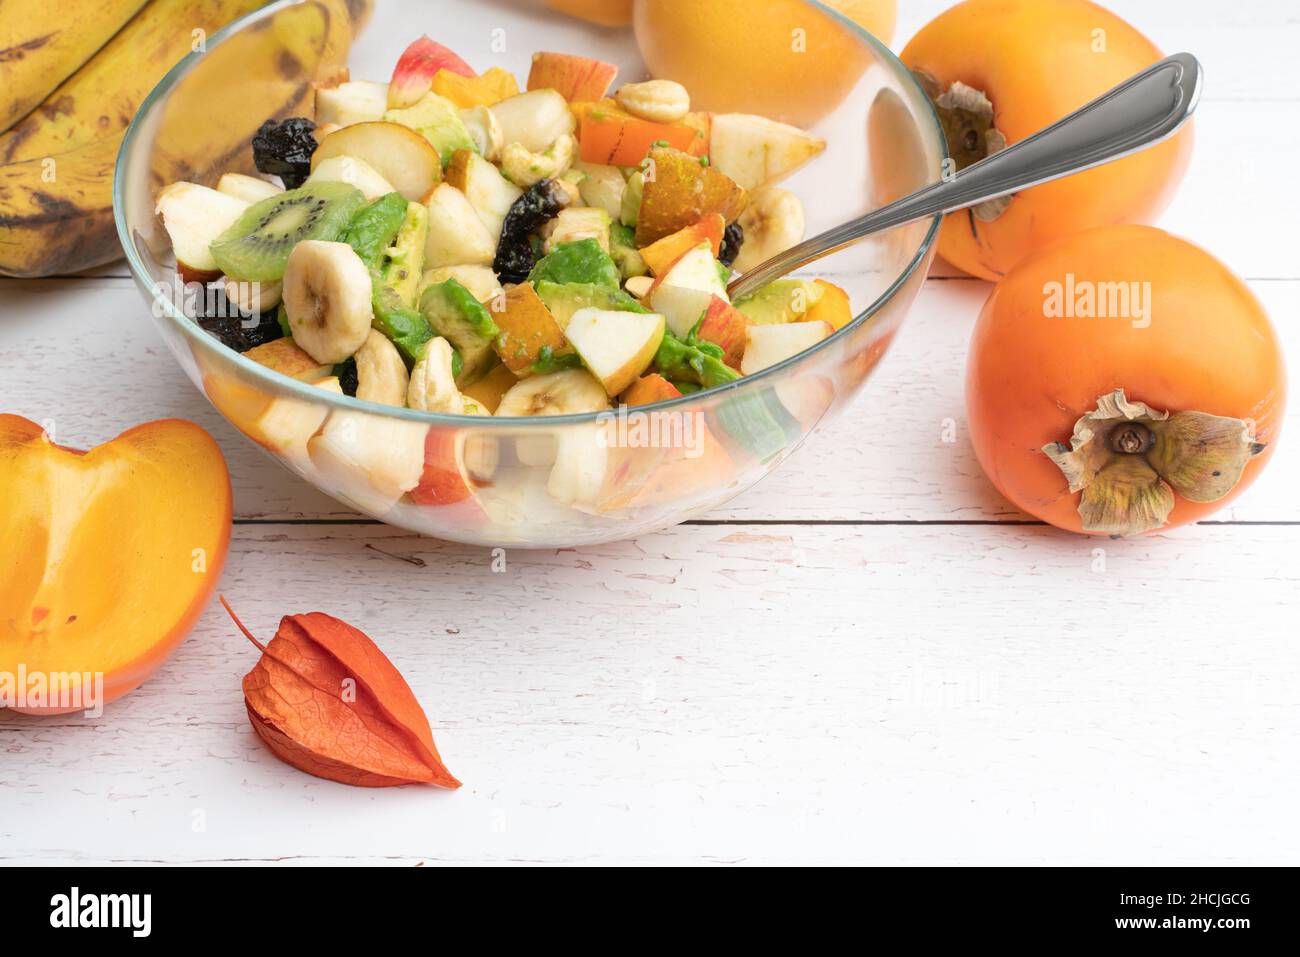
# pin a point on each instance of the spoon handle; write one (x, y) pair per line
(1140, 112)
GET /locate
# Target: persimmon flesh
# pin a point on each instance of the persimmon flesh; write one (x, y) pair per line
(107, 557)
(1122, 381)
(1002, 70)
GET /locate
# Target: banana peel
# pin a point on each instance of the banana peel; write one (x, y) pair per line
(56, 166)
(36, 54)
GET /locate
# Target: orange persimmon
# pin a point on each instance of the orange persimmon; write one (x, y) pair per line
(107, 557)
(1122, 381)
(615, 138)
(1002, 70)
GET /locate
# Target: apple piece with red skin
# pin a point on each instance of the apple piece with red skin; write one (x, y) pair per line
(726, 326)
(576, 78)
(416, 68)
(684, 292)
(616, 346)
(660, 255)
(194, 216)
(449, 476)
(648, 389)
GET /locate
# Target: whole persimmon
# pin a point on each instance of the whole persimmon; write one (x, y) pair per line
(999, 71)
(1121, 381)
(788, 60)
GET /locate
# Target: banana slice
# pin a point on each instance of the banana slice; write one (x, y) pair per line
(569, 392)
(381, 373)
(327, 299)
(433, 387)
(773, 222)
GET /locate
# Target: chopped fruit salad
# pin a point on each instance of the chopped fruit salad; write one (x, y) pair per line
(450, 243)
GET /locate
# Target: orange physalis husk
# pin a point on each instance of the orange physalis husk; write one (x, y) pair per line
(326, 700)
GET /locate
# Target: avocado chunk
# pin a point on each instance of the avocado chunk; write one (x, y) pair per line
(404, 259)
(782, 300)
(622, 249)
(373, 227)
(453, 313)
(564, 299)
(407, 329)
(438, 121)
(582, 261)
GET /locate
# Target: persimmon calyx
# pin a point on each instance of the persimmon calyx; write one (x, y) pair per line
(966, 115)
(1129, 459)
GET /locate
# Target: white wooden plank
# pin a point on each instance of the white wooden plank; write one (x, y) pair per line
(911, 694)
(85, 356)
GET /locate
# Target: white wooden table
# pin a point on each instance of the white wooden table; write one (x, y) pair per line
(870, 657)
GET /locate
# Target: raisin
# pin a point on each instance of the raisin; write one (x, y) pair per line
(347, 375)
(516, 253)
(732, 240)
(284, 148)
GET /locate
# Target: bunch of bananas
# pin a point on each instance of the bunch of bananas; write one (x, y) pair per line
(73, 74)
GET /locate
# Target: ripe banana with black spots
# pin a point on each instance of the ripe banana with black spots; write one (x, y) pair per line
(40, 47)
(56, 164)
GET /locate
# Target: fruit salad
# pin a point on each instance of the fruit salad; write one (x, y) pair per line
(449, 243)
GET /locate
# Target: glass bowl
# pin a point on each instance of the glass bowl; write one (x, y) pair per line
(524, 482)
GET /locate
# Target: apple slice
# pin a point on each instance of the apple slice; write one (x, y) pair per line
(755, 151)
(416, 68)
(285, 357)
(661, 254)
(535, 119)
(248, 188)
(457, 236)
(490, 193)
(397, 153)
(649, 389)
(684, 292)
(356, 101)
(767, 345)
(576, 78)
(288, 424)
(726, 326)
(481, 281)
(615, 346)
(354, 172)
(194, 216)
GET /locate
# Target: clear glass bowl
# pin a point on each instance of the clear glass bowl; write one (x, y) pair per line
(524, 482)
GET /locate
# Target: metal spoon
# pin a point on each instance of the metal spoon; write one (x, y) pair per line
(1138, 113)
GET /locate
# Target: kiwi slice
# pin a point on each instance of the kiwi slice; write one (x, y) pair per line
(258, 243)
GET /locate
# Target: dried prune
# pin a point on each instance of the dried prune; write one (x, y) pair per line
(220, 318)
(284, 148)
(347, 375)
(516, 253)
(732, 239)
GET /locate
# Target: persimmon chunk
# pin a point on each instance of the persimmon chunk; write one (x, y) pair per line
(107, 557)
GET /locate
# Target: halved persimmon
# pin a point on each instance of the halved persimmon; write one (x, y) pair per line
(107, 557)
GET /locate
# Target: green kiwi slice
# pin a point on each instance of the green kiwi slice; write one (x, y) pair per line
(258, 243)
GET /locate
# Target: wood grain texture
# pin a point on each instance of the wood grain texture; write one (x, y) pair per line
(865, 659)
(899, 694)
